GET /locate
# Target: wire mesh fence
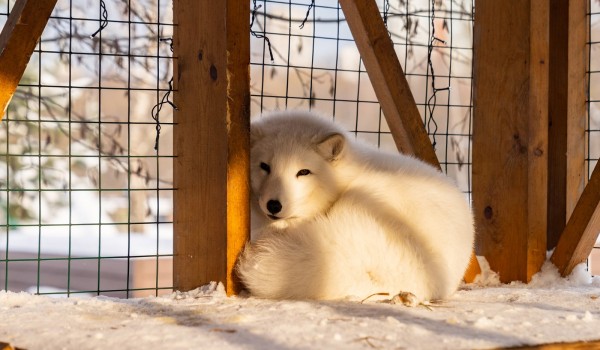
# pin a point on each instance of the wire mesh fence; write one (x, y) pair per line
(86, 199)
(310, 61)
(593, 108)
(86, 153)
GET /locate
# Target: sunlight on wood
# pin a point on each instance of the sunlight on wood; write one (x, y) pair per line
(18, 39)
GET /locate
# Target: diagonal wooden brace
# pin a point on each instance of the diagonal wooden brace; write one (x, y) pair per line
(390, 84)
(577, 240)
(19, 36)
(391, 87)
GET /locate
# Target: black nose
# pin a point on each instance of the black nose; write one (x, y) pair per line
(273, 206)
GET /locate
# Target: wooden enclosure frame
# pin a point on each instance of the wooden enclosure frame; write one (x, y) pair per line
(579, 235)
(534, 126)
(205, 247)
(510, 138)
(513, 206)
(528, 151)
(575, 228)
(528, 137)
(212, 141)
(567, 112)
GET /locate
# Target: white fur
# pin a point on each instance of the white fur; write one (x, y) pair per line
(362, 222)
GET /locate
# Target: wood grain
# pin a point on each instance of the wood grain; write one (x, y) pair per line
(578, 345)
(20, 34)
(581, 232)
(566, 111)
(510, 135)
(211, 203)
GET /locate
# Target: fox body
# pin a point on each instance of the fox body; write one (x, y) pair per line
(334, 218)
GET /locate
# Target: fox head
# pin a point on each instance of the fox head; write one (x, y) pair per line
(293, 166)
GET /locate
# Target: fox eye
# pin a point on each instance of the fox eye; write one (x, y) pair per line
(303, 172)
(265, 167)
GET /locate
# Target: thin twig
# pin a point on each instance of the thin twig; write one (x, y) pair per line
(374, 294)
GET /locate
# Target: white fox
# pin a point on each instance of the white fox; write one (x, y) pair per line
(335, 218)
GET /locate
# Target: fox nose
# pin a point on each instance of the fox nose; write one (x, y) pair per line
(273, 206)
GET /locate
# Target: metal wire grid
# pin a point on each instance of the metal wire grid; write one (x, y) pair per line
(593, 92)
(315, 67)
(593, 106)
(318, 67)
(86, 199)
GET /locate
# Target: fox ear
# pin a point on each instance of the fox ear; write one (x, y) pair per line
(331, 146)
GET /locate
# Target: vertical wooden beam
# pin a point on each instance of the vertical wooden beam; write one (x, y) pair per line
(211, 214)
(581, 232)
(566, 111)
(510, 134)
(20, 34)
(391, 87)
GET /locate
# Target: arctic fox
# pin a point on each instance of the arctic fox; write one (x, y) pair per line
(334, 218)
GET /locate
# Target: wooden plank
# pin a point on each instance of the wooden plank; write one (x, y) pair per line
(581, 232)
(510, 135)
(19, 36)
(389, 83)
(566, 111)
(583, 345)
(211, 213)
(473, 270)
(6, 346)
(391, 87)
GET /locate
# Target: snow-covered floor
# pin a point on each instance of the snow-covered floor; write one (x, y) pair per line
(479, 316)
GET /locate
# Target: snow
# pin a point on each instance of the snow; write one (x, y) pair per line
(482, 315)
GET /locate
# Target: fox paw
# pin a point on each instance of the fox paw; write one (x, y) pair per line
(406, 299)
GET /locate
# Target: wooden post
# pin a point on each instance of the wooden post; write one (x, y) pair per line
(20, 34)
(510, 135)
(566, 111)
(577, 240)
(211, 213)
(391, 87)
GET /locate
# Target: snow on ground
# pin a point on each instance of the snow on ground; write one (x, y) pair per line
(481, 315)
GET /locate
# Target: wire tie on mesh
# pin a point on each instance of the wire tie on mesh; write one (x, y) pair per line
(104, 20)
(167, 40)
(312, 3)
(430, 107)
(433, 39)
(165, 99)
(386, 10)
(156, 111)
(260, 36)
